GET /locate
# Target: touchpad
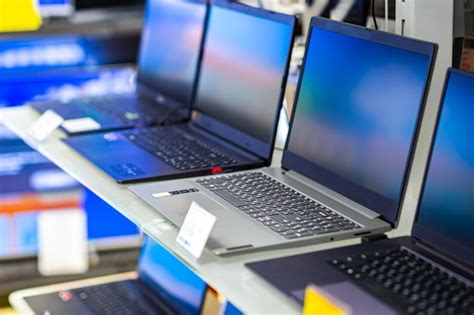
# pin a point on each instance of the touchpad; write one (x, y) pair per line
(359, 301)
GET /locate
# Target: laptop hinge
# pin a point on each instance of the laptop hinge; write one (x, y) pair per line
(334, 195)
(374, 238)
(150, 95)
(446, 258)
(225, 142)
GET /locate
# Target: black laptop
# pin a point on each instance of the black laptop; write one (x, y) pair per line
(164, 286)
(235, 114)
(167, 68)
(430, 272)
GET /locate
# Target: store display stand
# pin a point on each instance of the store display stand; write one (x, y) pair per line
(227, 275)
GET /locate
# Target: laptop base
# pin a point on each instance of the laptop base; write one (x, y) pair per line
(255, 234)
(332, 272)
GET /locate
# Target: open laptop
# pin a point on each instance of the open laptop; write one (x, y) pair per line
(359, 104)
(431, 272)
(162, 285)
(167, 68)
(235, 114)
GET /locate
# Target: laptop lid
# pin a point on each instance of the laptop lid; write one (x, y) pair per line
(170, 50)
(445, 217)
(243, 75)
(173, 281)
(359, 103)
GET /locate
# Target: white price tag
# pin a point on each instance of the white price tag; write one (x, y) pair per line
(80, 124)
(45, 125)
(196, 229)
(62, 242)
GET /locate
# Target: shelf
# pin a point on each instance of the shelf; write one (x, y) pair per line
(227, 275)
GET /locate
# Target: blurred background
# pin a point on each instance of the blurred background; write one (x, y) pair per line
(86, 47)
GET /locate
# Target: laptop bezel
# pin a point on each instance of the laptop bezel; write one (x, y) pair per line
(154, 94)
(293, 162)
(223, 130)
(428, 236)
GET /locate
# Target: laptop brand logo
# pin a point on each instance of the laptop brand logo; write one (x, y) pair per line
(174, 193)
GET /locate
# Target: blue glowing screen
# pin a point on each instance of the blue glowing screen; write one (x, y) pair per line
(55, 2)
(447, 204)
(171, 279)
(356, 114)
(244, 63)
(169, 51)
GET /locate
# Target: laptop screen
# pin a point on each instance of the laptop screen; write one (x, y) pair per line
(170, 47)
(446, 210)
(360, 97)
(55, 7)
(173, 281)
(243, 74)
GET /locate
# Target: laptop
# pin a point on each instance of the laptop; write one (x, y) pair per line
(167, 68)
(354, 127)
(235, 114)
(162, 285)
(430, 272)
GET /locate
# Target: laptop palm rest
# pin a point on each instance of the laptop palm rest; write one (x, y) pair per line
(227, 233)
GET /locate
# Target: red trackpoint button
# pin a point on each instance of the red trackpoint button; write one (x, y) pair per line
(216, 170)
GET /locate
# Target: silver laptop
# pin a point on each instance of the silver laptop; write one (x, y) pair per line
(348, 154)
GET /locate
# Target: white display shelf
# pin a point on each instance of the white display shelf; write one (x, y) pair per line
(227, 275)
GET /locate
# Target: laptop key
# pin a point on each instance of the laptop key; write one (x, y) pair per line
(294, 217)
(278, 228)
(271, 222)
(257, 215)
(291, 236)
(237, 202)
(303, 234)
(280, 218)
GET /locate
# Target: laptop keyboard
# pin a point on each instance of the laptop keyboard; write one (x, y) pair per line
(416, 284)
(114, 298)
(280, 208)
(178, 149)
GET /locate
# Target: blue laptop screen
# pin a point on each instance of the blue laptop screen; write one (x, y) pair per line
(447, 204)
(45, 2)
(171, 279)
(243, 69)
(356, 116)
(169, 51)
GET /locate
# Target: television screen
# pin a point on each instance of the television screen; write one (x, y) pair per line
(55, 8)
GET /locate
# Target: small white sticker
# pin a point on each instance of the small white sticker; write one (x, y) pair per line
(162, 194)
(45, 125)
(80, 124)
(62, 242)
(196, 229)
